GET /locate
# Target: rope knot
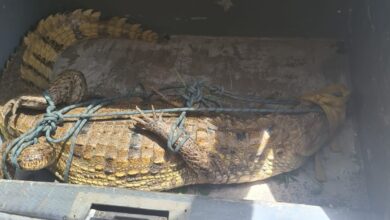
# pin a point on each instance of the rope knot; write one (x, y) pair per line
(50, 122)
(193, 94)
(55, 117)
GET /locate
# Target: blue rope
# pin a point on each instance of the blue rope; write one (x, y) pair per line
(193, 95)
(220, 91)
(47, 127)
(177, 130)
(198, 110)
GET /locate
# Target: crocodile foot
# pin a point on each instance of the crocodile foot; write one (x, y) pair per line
(11, 107)
(206, 164)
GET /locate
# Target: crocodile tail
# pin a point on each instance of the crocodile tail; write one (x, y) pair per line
(57, 32)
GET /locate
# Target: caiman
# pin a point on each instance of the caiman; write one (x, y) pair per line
(132, 152)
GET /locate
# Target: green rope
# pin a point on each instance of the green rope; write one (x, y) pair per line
(193, 95)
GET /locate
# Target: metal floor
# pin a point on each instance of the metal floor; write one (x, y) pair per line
(63, 201)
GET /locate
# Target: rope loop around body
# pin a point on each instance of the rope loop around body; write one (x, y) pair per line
(177, 130)
(47, 127)
(193, 95)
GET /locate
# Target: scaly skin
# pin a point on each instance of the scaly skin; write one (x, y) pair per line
(29, 71)
(232, 150)
(223, 149)
(53, 35)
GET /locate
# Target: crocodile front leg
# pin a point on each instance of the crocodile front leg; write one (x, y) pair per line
(207, 165)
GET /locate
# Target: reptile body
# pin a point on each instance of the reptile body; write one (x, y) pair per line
(233, 150)
(131, 153)
(29, 71)
(42, 47)
(222, 149)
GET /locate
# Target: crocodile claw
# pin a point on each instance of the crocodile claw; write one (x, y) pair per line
(147, 119)
(154, 113)
(139, 120)
(10, 109)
